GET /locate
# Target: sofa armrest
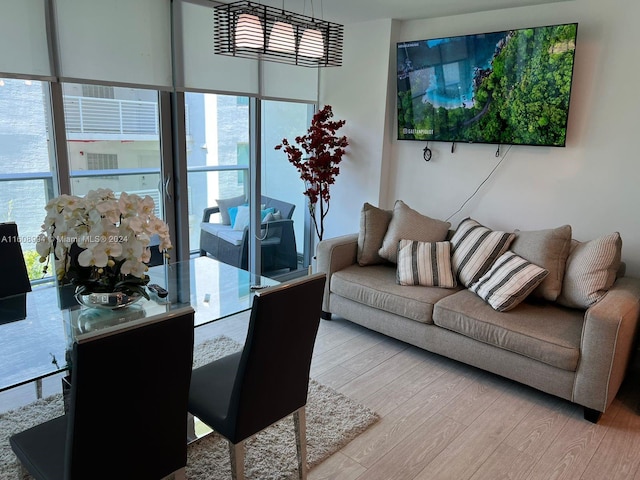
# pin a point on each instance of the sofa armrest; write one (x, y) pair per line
(608, 340)
(334, 254)
(206, 214)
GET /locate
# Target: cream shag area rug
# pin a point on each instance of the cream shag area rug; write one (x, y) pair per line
(333, 420)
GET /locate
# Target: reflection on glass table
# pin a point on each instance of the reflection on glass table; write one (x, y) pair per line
(214, 289)
(34, 348)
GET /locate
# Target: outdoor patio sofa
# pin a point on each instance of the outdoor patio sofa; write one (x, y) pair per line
(229, 243)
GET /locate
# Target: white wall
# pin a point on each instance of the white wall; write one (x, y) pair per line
(591, 184)
(357, 92)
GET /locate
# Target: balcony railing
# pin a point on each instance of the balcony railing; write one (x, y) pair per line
(106, 115)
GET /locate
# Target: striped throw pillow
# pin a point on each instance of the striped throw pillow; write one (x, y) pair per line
(474, 248)
(509, 281)
(425, 263)
(591, 271)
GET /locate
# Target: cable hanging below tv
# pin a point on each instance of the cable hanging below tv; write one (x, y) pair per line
(510, 87)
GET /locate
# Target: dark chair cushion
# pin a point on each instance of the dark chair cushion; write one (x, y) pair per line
(41, 448)
(219, 377)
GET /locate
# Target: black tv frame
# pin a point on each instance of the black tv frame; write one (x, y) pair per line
(467, 126)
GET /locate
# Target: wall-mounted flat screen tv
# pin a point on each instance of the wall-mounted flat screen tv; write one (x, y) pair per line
(510, 87)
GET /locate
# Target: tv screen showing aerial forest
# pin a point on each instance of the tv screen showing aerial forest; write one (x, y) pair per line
(510, 87)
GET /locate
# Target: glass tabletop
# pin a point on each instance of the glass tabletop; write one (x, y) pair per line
(36, 346)
(214, 289)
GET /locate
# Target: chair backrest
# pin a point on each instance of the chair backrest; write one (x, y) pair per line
(128, 404)
(273, 376)
(15, 279)
(14, 282)
(285, 208)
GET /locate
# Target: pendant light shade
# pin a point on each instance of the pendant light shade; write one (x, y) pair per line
(282, 38)
(251, 30)
(311, 43)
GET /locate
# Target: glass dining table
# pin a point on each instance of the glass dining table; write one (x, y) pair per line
(36, 347)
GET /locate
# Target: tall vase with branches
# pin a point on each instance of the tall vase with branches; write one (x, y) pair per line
(320, 166)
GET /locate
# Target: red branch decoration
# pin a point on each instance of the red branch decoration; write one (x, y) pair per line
(319, 168)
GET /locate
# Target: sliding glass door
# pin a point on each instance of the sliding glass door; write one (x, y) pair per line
(280, 179)
(140, 121)
(218, 148)
(217, 141)
(114, 140)
(27, 162)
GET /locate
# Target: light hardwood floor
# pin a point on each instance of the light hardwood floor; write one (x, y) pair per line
(441, 419)
(445, 420)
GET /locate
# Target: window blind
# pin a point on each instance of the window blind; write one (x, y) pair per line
(23, 34)
(120, 41)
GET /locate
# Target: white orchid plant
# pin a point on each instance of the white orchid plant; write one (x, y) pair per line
(100, 243)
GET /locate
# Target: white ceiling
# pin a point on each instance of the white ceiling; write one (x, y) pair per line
(353, 11)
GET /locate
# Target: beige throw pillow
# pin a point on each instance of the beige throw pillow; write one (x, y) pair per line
(590, 271)
(408, 224)
(549, 249)
(374, 222)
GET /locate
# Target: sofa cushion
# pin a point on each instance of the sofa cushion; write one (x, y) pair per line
(475, 248)
(376, 286)
(270, 216)
(548, 249)
(545, 332)
(265, 232)
(374, 222)
(508, 282)
(225, 232)
(224, 204)
(591, 270)
(230, 235)
(425, 263)
(241, 215)
(408, 223)
(214, 228)
(239, 220)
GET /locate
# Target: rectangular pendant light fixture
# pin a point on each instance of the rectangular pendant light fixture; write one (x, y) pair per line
(250, 30)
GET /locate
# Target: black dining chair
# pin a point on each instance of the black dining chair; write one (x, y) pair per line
(127, 415)
(241, 394)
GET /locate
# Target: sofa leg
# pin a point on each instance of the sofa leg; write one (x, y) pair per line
(592, 415)
(325, 315)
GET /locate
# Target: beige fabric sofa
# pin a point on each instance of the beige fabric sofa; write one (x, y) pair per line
(578, 355)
